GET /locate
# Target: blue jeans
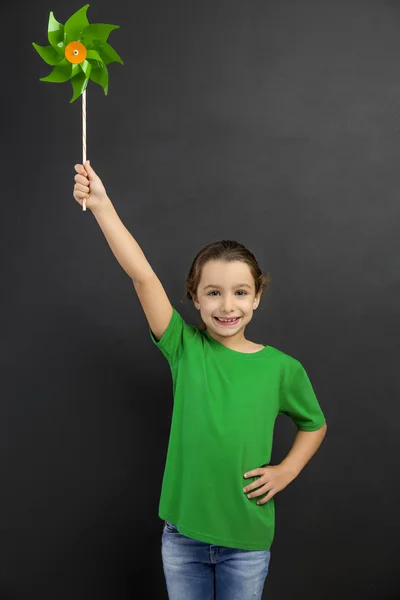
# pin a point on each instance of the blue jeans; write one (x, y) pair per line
(198, 571)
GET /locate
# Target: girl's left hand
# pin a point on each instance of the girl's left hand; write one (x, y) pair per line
(272, 480)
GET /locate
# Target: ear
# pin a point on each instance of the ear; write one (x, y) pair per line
(257, 300)
(194, 300)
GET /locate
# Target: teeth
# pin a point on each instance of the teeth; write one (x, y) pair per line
(227, 320)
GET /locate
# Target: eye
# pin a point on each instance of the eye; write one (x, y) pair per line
(217, 292)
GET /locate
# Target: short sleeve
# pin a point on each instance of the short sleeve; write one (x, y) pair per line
(172, 342)
(299, 402)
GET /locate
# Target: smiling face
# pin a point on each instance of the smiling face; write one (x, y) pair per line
(226, 290)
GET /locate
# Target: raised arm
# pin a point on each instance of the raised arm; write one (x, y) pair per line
(152, 296)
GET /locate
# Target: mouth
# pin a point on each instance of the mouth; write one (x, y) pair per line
(227, 323)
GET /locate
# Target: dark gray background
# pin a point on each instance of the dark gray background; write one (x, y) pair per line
(286, 117)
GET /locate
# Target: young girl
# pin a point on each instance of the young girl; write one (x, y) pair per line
(217, 490)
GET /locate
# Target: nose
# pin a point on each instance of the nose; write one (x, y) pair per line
(228, 305)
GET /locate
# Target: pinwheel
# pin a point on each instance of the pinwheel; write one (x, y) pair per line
(78, 51)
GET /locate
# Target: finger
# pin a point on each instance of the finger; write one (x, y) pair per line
(90, 170)
(252, 486)
(82, 188)
(81, 179)
(262, 490)
(255, 484)
(81, 169)
(270, 495)
(252, 473)
(80, 196)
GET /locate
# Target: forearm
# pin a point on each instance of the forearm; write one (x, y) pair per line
(124, 247)
(305, 445)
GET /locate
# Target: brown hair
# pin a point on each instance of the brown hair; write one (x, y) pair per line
(225, 250)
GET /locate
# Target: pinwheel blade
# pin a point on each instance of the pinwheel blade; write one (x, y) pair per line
(76, 24)
(97, 31)
(59, 74)
(76, 70)
(55, 34)
(79, 84)
(100, 76)
(94, 55)
(107, 53)
(86, 67)
(49, 54)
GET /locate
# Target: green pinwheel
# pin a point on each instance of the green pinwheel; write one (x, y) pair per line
(78, 51)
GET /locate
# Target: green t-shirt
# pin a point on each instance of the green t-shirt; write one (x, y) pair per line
(224, 411)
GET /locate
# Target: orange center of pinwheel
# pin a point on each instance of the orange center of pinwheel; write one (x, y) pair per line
(75, 53)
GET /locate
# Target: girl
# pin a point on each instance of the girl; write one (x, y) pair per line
(228, 391)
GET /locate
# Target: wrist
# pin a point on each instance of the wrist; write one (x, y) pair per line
(290, 471)
(103, 205)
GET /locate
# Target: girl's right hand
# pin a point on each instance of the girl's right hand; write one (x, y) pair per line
(88, 186)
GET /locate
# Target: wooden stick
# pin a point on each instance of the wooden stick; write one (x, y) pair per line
(84, 137)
